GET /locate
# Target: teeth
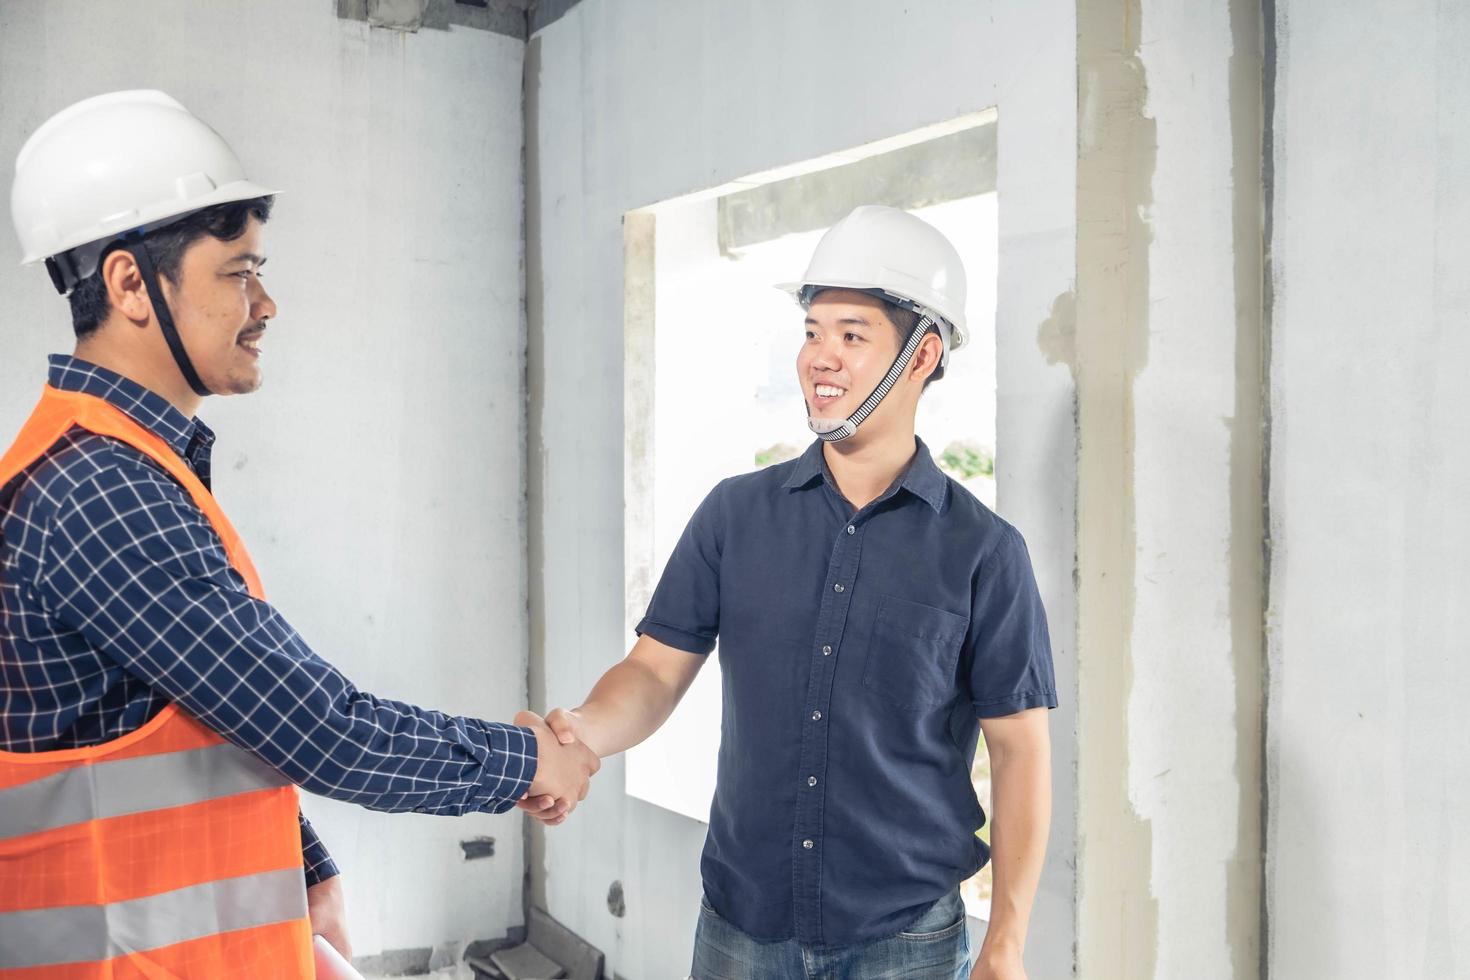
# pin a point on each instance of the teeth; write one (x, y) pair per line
(829, 391)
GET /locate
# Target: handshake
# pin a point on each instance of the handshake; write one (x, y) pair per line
(564, 765)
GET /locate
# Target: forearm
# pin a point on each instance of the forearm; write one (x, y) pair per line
(626, 706)
(397, 757)
(248, 676)
(1021, 819)
(300, 715)
(635, 697)
(151, 588)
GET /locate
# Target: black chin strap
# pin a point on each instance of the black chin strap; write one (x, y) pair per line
(895, 371)
(139, 252)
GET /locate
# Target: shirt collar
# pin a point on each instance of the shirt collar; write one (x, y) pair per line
(923, 478)
(148, 408)
(809, 466)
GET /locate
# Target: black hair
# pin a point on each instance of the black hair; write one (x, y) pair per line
(166, 246)
(904, 320)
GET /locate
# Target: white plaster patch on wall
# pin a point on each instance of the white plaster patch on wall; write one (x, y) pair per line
(1182, 737)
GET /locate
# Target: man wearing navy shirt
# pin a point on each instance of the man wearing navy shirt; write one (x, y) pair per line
(872, 617)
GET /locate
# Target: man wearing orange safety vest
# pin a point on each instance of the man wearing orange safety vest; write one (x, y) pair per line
(156, 713)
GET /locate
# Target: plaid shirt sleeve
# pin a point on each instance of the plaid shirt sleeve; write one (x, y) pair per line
(314, 857)
(131, 564)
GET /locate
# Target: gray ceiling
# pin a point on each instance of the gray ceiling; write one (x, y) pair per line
(515, 18)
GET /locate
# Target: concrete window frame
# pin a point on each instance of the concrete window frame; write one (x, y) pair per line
(936, 164)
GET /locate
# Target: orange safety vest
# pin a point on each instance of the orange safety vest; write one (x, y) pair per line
(165, 853)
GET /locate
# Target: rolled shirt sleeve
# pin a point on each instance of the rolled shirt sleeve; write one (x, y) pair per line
(685, 610)
(1007, 647)
(315, 860)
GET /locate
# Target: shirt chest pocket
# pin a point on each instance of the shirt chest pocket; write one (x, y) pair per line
(914, 650)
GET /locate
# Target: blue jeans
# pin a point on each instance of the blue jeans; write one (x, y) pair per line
(935, 947)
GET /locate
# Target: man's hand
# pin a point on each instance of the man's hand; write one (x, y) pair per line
(569, 727)
(563, 769)
(328, 914)
(998, 965)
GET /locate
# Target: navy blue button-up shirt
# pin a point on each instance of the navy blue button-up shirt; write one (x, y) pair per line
(116, 598)
(859, 649)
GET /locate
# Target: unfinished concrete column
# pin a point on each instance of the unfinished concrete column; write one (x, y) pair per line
(1170, 498)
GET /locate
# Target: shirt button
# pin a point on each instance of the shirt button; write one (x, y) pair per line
(816, 716)
(826, 651)
(811, 780)
(837, 587)
(808, 844)
(851, 529)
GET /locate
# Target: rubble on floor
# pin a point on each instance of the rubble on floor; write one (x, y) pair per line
(551, 952)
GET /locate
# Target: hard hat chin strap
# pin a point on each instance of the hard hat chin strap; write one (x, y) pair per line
(139, 252)
(830, 430)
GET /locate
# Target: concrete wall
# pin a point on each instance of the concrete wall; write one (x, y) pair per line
(378, 476)
(1254, 420)
(633, 102)
(1369, 747)
(1160, 420)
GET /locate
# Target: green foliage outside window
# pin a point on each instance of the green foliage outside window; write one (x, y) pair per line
(779, 453)
(965, 460)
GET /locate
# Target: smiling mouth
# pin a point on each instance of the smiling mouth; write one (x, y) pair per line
(824, 395)
(250, 342)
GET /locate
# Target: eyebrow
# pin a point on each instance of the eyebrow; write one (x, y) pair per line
(251, 257)
(847, 319)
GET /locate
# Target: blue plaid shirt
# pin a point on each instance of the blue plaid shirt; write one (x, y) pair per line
(116, 598)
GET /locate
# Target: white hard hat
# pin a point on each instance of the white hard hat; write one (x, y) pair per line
(890, 250)
(117, 163)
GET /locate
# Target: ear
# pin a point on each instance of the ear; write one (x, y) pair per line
(126, 291)
(926, 358)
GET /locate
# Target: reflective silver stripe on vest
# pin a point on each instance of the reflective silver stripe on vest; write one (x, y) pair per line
(88, 933)
(113, 789)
